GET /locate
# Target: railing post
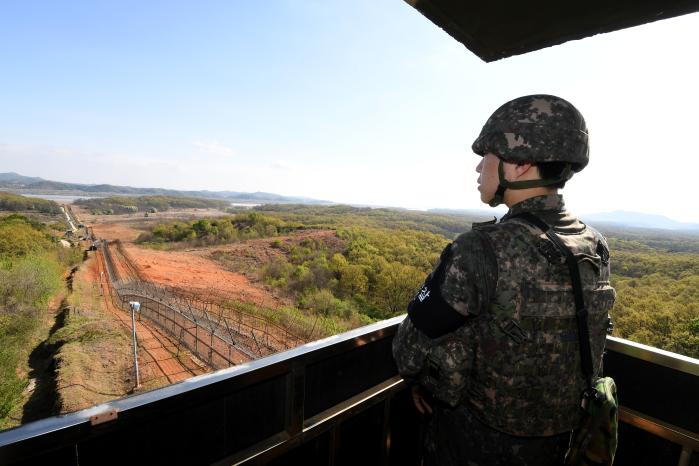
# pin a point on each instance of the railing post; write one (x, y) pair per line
(685, 456)
(295, 396)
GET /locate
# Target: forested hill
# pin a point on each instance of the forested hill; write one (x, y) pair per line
(447, 225)
(128, 204)
(16, 203)
(656, 275)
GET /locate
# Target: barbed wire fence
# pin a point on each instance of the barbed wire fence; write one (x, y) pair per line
(212, 328)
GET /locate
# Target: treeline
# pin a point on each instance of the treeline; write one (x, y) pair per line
(149, 204)
(372, 273)
(16, 203)
(32, 263)
(314, 216)
(221, 230)
(662, 240)
(657, 297)
(643, 263)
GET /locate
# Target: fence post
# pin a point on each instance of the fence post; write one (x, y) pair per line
(135, 306)
(211, 349)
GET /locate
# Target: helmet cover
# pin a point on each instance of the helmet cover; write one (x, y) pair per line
(536, 128)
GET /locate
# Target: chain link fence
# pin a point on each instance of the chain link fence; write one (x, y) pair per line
(212, 329)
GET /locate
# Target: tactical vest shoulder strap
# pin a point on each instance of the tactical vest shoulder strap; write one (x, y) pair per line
(476, 225)
(580, 309)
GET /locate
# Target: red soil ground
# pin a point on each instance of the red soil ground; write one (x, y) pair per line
(180, 269)
(195, 271)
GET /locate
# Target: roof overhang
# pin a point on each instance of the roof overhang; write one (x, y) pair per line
(498, 29)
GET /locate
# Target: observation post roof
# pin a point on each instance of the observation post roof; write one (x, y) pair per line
(498, 29)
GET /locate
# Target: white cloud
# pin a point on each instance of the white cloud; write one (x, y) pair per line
(214, 148)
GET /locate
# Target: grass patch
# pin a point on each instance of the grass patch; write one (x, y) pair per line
(93, 362)
(79, 329)
(304, 324)
(234, 263)
(15, 331)
(20, 333)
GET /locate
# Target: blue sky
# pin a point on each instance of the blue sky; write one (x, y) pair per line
(362, 102)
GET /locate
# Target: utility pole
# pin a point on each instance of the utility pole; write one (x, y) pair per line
(135, 307)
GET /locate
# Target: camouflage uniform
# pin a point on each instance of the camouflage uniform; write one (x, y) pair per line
(507, 382)
(492, 335)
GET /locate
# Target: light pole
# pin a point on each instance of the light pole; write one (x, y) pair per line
(135, 306)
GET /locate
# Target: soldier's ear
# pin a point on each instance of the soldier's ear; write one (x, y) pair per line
(523, 170)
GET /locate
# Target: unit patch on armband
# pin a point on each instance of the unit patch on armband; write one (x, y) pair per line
(423, 294)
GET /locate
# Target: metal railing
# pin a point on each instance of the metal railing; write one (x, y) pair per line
(659, 403)
(317, 404)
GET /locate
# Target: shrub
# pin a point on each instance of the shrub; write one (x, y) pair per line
(323, 302)
(276, 273)
(30, 281)
(19, 237)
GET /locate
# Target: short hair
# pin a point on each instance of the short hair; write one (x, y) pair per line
(552, 170)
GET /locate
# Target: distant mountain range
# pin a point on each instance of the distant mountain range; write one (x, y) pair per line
(487, 213)
(639, 220)
(34, 185)
(616, 218)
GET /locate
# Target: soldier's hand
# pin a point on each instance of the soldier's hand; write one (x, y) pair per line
(420, 400)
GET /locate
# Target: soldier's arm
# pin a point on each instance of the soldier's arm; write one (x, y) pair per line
(471, 276)
(410, 348)
(447, 300)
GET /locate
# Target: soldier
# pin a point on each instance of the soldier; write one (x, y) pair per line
(490, 345)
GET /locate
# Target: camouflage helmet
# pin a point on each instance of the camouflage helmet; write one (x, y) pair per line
(536, 128)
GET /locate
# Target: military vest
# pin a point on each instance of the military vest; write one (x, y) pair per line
(525, 377)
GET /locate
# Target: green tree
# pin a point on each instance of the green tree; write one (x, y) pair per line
(396, 284)
(353, 281)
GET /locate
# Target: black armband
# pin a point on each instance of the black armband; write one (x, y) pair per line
(428, 310)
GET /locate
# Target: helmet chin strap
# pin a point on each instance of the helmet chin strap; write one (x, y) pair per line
(504, 184)
(499, 195)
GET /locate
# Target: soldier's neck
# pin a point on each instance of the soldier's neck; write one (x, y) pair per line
(515, 196)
